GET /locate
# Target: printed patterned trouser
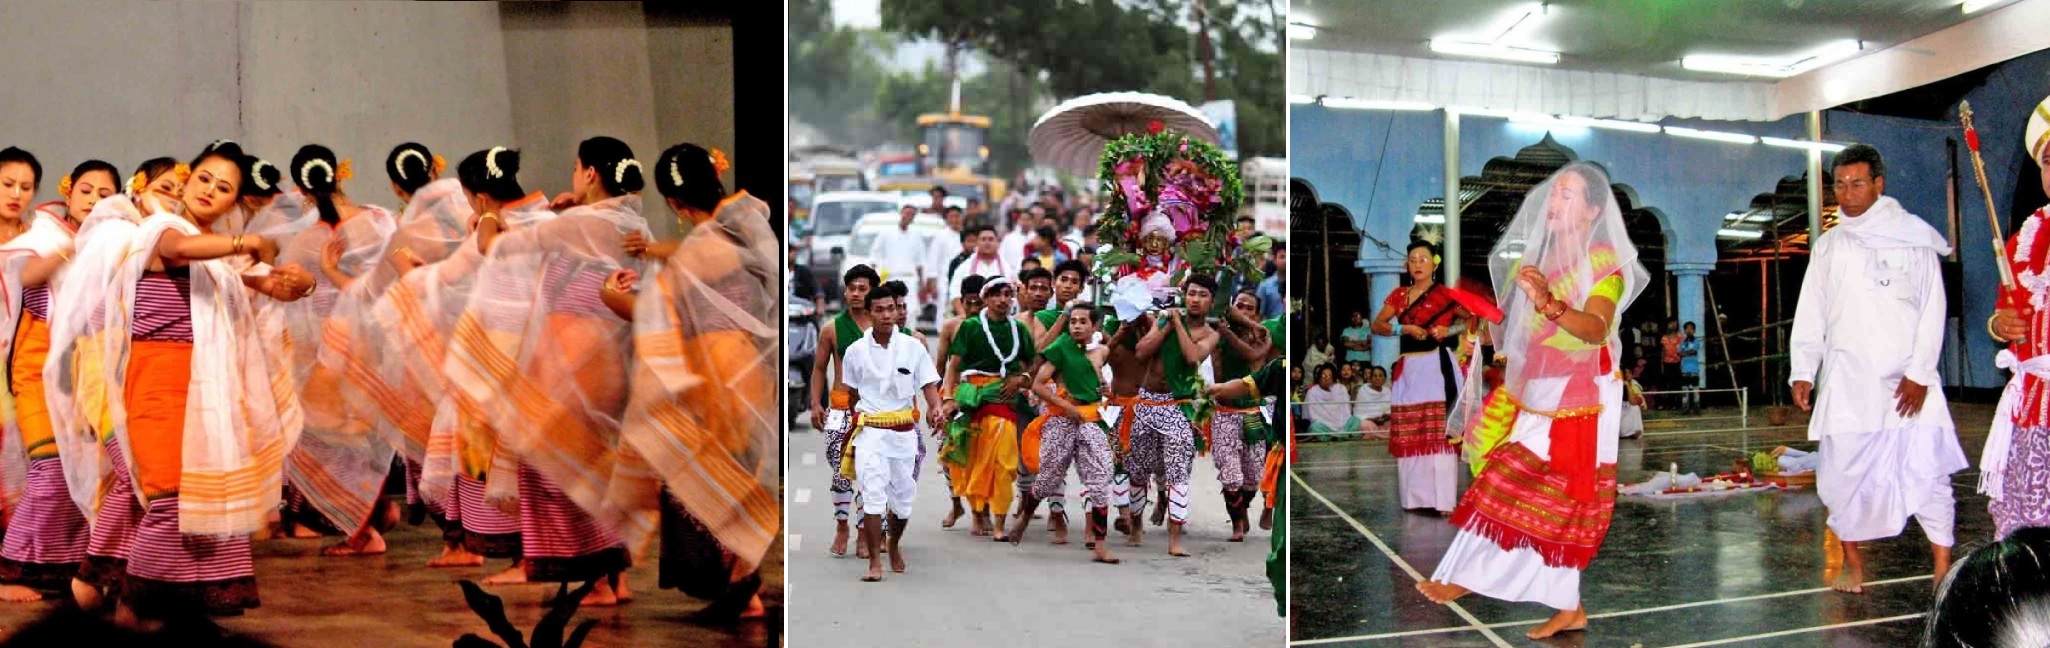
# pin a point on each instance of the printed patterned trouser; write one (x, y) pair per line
(1163, 446)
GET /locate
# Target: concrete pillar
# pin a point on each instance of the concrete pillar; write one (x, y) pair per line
(1692, 304)
(1384, 278)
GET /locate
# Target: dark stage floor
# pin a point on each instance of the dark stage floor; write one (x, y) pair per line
(395, 600)
(1730, 570)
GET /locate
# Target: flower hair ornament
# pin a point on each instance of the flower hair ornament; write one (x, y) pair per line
(183, 171)
(439, 164)
(491, 169)
(256, 175)
(345, 172)
(719, 162)
(401, 165)
(619, 171)
(64, 185)
(137, 182)
(306, 170)
(676, 172)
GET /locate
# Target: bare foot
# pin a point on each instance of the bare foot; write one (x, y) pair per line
(601, 596)
(953, 515)
(1160, 511)
(619, 588)
(1564, 621)
(87, 596)
(839, 539)
(1103, 554)
(1135, 532)
(1851, 581)
(1942, 555)
(754, 609)
(861, 548)
(875, 573)
(514, 575)
(456, 556)
(300, 532)
(1017, 530)
(366, 543)
(1441, 593)
(978, 524)
(18, 594)
(1238, 530)
(1267, 518)
(897, 561)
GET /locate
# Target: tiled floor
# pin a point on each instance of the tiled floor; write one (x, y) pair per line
(394, 600)
(1728, 570)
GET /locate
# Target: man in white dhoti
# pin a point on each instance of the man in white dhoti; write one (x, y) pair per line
(1871, 319)
(887, 371)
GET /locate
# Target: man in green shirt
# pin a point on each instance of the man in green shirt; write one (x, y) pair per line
(971, 303)
(1074, 429)
(1237, 431)
(986, 372)
(834, 418)
(1163, 441)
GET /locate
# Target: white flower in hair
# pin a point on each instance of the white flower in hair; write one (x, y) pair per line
(256, 175)
(491, 162)
(619, 172)
(306, 171)
(676, 171)
(410, 153)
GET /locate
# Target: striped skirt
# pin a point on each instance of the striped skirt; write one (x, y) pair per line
(486, 531)
(559, 541)
(169, 570)
(46, 538)
(113, 529)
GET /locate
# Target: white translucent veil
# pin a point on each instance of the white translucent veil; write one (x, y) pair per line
(1571, 229)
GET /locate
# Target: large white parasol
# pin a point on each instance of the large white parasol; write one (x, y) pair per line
(1071, 136)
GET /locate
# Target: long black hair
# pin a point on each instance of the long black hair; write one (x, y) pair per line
(687, 174)
(264, 179)
(493, 172)
(1997, 590)
(409, 165)
(618, 173)
(314, 169)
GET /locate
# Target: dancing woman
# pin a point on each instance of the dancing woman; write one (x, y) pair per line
(1544, 442)
(1429, 324)
(702, 420)
(47, 533)
(463, 474)
(542, 356)
(198, 413)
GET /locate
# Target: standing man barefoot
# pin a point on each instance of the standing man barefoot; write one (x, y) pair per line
(1872, 307)
(887, 372)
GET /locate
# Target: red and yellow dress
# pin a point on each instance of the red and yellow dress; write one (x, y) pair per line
(1424, 383)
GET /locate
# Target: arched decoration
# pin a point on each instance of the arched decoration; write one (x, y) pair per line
(1761, 255)
(1324, 245)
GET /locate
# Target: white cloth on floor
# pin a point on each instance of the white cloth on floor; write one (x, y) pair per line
(1429, 481)
(1872, 483)
(1795, 462)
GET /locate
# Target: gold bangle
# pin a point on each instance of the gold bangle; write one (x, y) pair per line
(1989, 329)
(237, 243)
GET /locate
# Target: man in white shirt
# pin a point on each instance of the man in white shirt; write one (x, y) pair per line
(887, 372)
(1870, 322)
(940, 253)
(1023, 231)
(985, 263)
(901, 254)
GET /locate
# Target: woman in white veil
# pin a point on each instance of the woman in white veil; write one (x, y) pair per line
(1543, 443)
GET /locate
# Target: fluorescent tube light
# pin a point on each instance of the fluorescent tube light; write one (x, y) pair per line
(1375, 104)
(1612, 124)
(1739, 234)
(1734, 138)
(1774, 67)
(1975, 5)
(1803, 144)
(1301, 31)
(1422, 219)
(1499, 52)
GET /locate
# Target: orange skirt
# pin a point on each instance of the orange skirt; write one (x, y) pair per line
(25, 381)
(159, 377)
